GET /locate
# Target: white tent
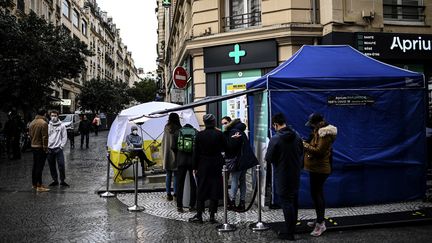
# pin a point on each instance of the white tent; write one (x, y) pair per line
(151, 127)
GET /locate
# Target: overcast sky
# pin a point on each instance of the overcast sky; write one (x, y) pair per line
(138, 24)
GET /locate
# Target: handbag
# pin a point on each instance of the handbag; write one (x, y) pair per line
(233, 163)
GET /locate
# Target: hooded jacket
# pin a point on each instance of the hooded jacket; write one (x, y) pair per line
(57, 135)
(285, 152)
(318, 153)
(38, 131)
(240, 146)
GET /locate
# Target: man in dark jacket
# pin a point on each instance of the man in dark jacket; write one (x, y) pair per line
(84, 129)
(135, 141)
(208, 162)
(285, 153)
(184, 161)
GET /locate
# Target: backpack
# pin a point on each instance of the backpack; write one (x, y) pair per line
(186, 139)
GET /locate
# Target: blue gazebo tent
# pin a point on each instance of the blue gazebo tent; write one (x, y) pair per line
(379, 110)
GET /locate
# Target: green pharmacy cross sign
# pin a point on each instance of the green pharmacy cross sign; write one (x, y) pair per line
(166, 3)
(237, 53)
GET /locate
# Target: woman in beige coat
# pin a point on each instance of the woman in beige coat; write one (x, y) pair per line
(169, 162)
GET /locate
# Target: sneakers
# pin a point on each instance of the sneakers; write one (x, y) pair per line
(241, 206)
(54, 183)
(319, 229)
(42, 189)
(196, 219)
(180, 210)
(311, 224)
(64, 184)
(169, 197)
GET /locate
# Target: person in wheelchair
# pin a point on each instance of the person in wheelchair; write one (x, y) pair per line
(134, 140)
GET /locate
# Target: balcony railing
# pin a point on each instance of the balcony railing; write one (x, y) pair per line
(242, 20)
(399, 12)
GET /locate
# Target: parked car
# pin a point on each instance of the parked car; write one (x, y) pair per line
(71, 121)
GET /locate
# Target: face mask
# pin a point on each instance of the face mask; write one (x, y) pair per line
(54, 118)
(135, 132)
(223, 128)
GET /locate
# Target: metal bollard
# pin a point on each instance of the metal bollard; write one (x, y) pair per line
(259, 226)
(136, 208)
(225, 227)
(107, 193)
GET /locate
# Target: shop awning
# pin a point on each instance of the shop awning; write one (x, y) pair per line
(205, 101)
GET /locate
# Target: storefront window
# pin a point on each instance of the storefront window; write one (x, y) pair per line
(404, 10)
(242, 13)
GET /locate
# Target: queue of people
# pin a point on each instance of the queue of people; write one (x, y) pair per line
(212, 148)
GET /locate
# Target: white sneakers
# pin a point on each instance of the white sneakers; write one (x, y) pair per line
(319, 228)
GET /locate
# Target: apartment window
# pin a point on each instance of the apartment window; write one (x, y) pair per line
(33, 5)
(75, 17)
(65, 8)
(21, 5)
(404, 10)
(242, 13)
(84, 27)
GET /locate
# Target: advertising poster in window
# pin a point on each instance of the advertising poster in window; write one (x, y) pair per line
(233, 82)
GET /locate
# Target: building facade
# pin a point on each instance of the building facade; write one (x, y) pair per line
(84, 20)
(225, 43)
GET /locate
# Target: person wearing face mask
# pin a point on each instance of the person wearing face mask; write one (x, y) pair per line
(285, 153)
(135, 141)
(57, 138)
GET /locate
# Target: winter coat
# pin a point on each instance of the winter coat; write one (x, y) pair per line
(285, 152)
(183, 159)
(135, 140)
(84, 126)
(239, 147)
(318, 153)
(38, 131)
(168, 155)
(208, 161)
(57, 135)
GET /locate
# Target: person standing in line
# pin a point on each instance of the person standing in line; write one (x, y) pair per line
(57, 139)
(285, 152)
(317, 161)
(238, 148)
(84, 129)
(183, 147)
(96, 123)
(208, 163)
(39, 142)
(170, 166)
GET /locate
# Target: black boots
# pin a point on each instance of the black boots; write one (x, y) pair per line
(241, 206)
(212, 218)
(231, 204)
(196, 219)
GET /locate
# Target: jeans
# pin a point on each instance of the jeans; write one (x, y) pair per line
(289, 205)
(86, 137)
(181, 174)
(317, 181)
(53, 156)
(169, 176)
(236, 178)
(39, 157)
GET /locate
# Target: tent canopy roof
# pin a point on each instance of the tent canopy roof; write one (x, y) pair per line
(329, 67)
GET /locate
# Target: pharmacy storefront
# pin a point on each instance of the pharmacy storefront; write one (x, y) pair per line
(228, 68)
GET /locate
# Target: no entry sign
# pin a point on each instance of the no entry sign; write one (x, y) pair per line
(180, 77)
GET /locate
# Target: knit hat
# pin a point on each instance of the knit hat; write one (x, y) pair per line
(209, 120)
(134, 128)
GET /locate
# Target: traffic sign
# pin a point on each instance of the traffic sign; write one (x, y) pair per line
(180, 77)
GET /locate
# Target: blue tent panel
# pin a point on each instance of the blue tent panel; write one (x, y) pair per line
(341, 67)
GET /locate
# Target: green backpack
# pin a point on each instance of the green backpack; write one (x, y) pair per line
(186, 139)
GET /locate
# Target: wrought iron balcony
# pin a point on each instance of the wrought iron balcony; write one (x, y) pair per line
(401, 12)
(242, 20)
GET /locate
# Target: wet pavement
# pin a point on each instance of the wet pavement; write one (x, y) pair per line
(77, 214)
